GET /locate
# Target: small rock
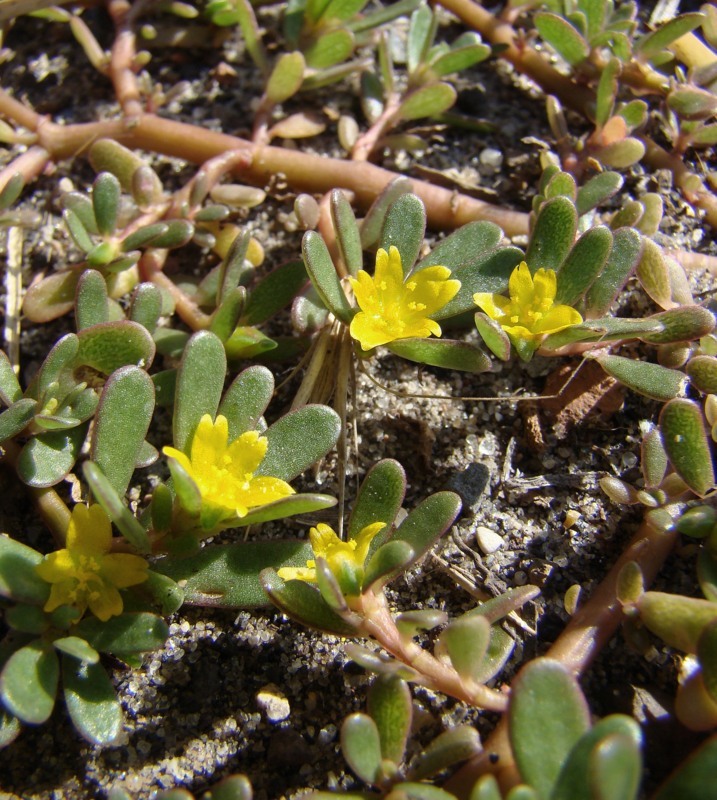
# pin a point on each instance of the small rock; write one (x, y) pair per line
(273, 703)
(490, 157)
(487, 540)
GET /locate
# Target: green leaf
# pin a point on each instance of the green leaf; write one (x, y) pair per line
(500, 649)
(348, 236)
(486, 789)
(361, 746)
(469, 243)
(685, 438)
(228, 575)
(622, 154)
(51, 297)
(10, 390)
(323, 276)
(681, 324)
(26, 619)
(445, 353)
(598, 190)
(77, 648)
(678, 620)
(116, 510)
(427, 101)
(688, 782)
(584, 263)
(379, 499)
(576, 778)
(423, 791)
(14, 419)
(390, 707)
(226, 316)
(562, 37)
(390, 559)
(77, 230)
(123, 417)
(28, 683)
(466, 642)
(91, 701)
(428, 522)
(342, 10)
(274, 291)
(58, 360)
(146, 306)
(235, 787)
(127, 633)
(111, 345)
(547, 692)
(303, 603)
(18, 579)
(634, 113)
(652, 43)
(561, 184)
(286, 77)
(246, 400)
(200, 380)
(298, 440)
(247, 343)
(460, 58)
(330, 49)
(653, 458)
(404, 228)
(105, 202)
(421, 34)
(111, 156)
(287, 507)
(701, 369)
(372, 225)
(620, 264)
(47, 458)
(451, 747)
(606, 92)
(651, 380)
(553, 235)
(493, 335)
(91, 300)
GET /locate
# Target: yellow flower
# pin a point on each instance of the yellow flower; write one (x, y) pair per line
(345, 559)
(86, 573)
(224, 472)
(393, 309)
(530, 313)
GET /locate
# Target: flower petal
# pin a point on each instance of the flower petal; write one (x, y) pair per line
(494, 305)
(520, 285)
(322, 538)
(56, 567)
(364, 539)
(307, 573)
(245, 454)
(124, 569)
(367, 332)
(545, 283)
(105, 602)
(90, 531)
(557, 319)
(63, 594)
(209, 443)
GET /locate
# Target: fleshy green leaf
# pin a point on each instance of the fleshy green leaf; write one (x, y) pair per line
(689, 780)
(348, 236)
(108, 497)
(652, 380)
(10, 390)
(576, 778)
(323, 275)
(623, 258)
(298, 440)
(111, 345)
(466, 642)
(274, 291)
(597, 190)
(127, 633)
(428, 522)
(246, 400)
(91, 701)
(389, 559)
(404, 228)
(105, 202)
(123, 417)
(28, 682)
(444, 353)
(562, 37)
(372, 225)
(18, 579)
(622, 154)
(702, 371)
(200, 380)
(379, 498)
(545, 690)
(584, 263)
(427, 101)
(91, 300)
(286, 77)
(651, 44)
(493, 335)
(77, 648)
(389, 706)
(451, 747)
(14, 419)
(361, 746)
(47, 458)
(553, 235)
(330, 49)
(685, 438)
(302, 602)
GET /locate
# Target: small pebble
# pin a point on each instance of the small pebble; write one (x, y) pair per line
(273, 703)
(487, 540)
(490, 157)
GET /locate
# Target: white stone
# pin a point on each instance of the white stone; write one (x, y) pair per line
(488, 540)
(273, 703)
